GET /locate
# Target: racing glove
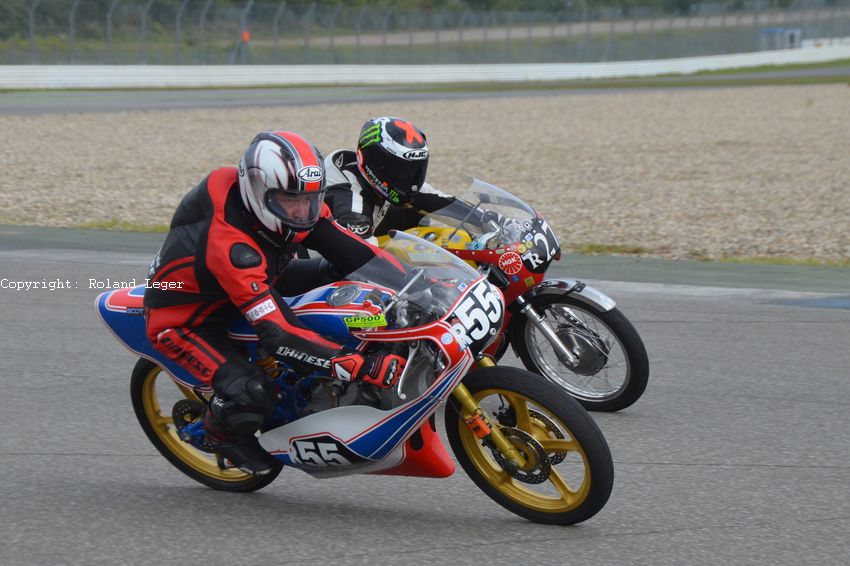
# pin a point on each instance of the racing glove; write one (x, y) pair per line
(380, 368)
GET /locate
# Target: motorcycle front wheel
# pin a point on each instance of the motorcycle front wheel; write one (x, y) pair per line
(154, 394)
(613, 367)
(568, 474)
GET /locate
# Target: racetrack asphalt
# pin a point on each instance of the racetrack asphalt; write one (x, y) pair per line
(738, 453)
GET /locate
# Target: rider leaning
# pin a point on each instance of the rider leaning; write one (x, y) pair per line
(382, 182)
(230, 244)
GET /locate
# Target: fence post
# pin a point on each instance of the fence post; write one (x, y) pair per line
(817, 19)
(144, 46)
(202, 20)
(177, 34)
(833, 37)
(530, 47)
(586, 42)
(384, 22)
(411, 18)
(308, 18)
(438, 24)
(358, 25)
(333, 32)
(276, 30)
(31, 14)
(460, 24)
(109, 27)
(609, 42)
(72, 28)
(486, 21)
(509, 24)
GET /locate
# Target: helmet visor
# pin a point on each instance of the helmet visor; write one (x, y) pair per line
(298, 211)
(400, 179)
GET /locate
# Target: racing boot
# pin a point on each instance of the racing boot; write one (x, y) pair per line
(230, 430)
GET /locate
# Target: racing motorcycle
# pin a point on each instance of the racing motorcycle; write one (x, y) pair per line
(562, 329)
(524, 442)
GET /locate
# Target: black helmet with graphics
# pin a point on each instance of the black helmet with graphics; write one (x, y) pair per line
(282, 182)
(392, 154)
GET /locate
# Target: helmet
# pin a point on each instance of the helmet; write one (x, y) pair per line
(392, 154)
(282, 182)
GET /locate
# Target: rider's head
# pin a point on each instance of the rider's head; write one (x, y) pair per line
(392, 154)
(282, 182)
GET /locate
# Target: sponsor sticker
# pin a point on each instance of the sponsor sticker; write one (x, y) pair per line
(261, 310)
(416, 154)
(447, 338)
(510, 263)
(310, 174)
(359, 229)
(369, 321)
(529, 281)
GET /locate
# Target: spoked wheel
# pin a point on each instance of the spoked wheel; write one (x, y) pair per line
(157, 401)
(568, 472)
(612, 369)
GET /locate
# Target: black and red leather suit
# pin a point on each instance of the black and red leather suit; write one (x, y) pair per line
(217, 260)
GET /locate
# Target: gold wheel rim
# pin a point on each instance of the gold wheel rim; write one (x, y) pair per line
(163, 426)
(566, 496)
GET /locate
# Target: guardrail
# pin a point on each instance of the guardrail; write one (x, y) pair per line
(182, 76)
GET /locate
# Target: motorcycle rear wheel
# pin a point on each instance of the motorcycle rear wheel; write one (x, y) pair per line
(577, 480)
(153, 411)
(625, 373)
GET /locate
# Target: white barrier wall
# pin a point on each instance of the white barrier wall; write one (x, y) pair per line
(164, 76)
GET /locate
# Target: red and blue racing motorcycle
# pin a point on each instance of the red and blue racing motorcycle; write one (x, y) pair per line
(525, 442)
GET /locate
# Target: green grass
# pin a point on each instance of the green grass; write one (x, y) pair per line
(778, 68)
(122, 226)
(635, 250)
(606, 249)
(787, 261)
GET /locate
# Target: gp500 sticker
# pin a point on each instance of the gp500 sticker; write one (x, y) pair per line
(365, 321)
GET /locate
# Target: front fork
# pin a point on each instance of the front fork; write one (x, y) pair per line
(564, 354)
(480, 423)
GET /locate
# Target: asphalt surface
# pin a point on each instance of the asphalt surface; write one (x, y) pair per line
(61, 102)
(738, 453)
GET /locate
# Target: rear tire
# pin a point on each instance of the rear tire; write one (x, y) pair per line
(576, 448)
(158, 425)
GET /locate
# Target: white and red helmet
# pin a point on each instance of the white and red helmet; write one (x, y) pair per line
(282, 182)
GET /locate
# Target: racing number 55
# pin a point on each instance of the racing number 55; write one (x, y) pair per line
(319, 453)
(479, 311)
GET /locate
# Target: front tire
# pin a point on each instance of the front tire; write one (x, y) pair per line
(615, 368)
(153, 410)
(574, 479)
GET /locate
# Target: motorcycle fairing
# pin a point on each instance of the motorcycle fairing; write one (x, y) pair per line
(122, 312)
(377, 437)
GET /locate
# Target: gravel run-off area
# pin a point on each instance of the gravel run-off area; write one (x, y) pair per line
(708, 173)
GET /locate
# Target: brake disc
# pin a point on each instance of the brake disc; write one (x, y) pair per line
(537, 467)
(554, 430)
(507, 418)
